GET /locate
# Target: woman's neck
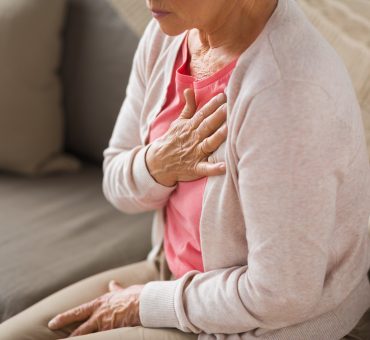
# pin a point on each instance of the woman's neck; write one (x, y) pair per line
(234, 30)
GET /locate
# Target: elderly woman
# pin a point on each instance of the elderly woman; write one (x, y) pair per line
(241, 129)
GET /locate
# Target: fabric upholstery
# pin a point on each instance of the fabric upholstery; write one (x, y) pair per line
(98, 53)
(31, 115)
(57, 230)
(346, 25)
(31, 324)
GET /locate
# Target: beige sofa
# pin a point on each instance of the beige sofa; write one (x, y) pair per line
(58, 228)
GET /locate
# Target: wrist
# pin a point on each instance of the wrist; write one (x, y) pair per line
(155, 169)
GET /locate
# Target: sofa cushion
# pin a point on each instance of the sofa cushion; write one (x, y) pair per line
(59, 229)
(31, 115)
(347, 31)
(98, 51)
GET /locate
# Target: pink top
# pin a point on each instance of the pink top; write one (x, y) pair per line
(182, 238)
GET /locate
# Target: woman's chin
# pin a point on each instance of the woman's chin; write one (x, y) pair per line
(170, 28)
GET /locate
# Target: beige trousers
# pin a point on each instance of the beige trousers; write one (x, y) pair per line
(31, 324)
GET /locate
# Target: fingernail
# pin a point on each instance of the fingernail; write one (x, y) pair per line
(51, 324)
(222, 166)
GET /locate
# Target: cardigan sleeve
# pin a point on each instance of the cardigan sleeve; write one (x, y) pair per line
(127, 182)
(290, 163)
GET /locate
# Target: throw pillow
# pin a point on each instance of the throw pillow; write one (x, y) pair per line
(31, 115)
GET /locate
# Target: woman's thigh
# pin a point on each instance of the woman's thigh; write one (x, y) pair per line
(31, 324)
(139, 333)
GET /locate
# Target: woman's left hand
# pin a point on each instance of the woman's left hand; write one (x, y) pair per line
(118, 308)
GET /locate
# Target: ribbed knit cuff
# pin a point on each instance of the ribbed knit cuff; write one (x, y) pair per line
(144, 180)
(157, 305)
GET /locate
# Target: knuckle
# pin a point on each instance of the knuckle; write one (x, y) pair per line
(223, 107)
(105, 327)
(192, 123)
(211, 158)
(198, 169)
(186, 111)
(204, 146)
(181, 134)
(221, 112)
(203, 169)
(222, 133)
(96, 322)
(97, 302)
(101, 315)
(176, 130)
(205, 126)
(197, 138)
(201, 114)
(77, 311)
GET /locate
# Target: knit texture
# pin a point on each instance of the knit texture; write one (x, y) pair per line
(284, 235)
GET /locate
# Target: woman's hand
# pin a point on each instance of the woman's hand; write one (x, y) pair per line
(181, 153)
(118, 308)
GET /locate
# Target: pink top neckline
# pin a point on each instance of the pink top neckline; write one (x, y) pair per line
(183, 73)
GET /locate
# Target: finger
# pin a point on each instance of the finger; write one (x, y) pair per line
(79, 313)
(209, 125)
(190, 104)
(114, 286)
(208, 109)
(88, 327)
(210, 169)
(210, 144)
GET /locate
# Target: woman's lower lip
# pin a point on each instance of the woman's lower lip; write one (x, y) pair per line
(159, 14)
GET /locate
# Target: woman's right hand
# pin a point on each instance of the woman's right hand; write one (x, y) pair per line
(181, 153)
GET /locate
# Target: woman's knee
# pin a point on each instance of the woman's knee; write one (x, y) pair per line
(32, 322)
(29, 325)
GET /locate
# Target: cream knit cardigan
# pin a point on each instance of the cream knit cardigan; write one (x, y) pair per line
(284, 232)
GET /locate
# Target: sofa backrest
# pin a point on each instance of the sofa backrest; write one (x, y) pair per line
(98, 51)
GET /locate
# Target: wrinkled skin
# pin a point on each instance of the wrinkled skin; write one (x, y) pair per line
(117, 308)
(181, 153)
